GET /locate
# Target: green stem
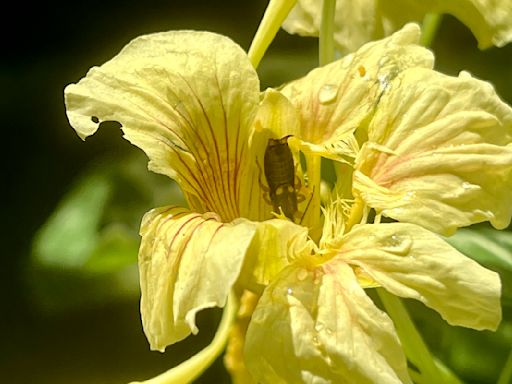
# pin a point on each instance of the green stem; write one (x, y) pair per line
(448, 375)
(429, 28)
(414, 346)
(276, 12)
(326, 39)
(314, 164)
(192, 368)
(506, 372)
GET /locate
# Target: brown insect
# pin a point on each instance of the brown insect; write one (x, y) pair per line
(280, 174)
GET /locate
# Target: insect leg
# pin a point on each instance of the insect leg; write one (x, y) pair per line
(307, 206)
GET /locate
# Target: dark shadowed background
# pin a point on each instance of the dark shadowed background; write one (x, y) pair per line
(59, 324)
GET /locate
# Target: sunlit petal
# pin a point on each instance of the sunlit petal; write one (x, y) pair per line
(439, 153)
(412, 262)
(188, 100)
(316, 325)
(187, 262)
(332, 101)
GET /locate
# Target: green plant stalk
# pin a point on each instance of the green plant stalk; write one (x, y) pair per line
(191, 369)
(448, 375)
(326, 38)
(506, 372)
(429, 28)
(414, 346)
(276, 12)
(314, 166)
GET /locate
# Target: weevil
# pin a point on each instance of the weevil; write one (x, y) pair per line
(280, 174)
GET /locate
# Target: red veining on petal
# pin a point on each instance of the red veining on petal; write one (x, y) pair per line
(178, 231)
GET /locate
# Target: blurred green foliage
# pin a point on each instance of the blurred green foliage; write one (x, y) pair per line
(88, 246)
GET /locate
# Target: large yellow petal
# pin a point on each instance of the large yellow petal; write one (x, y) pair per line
(412, 262)
(188, 100)
(316, 325)
(187, 262)
(332, 101)
(439, 153)
(357, 22)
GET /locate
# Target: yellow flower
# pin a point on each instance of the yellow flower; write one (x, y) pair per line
(391, 124)
(436, 153)
(188, 99)
(358, 22)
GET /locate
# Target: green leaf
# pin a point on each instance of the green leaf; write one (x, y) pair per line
(488, 246)
(69, 236)
(115, 249)
(85, 254)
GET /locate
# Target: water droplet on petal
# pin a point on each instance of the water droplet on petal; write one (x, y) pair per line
(383, 82)
(395, 240)
(328, 93)
(328, 360)
(401, 244)
(328, 331)
(289, 291)
(319, 327)
(409, 195)
(315, 340)
(347, 60)
(467, 186)
(302, 274)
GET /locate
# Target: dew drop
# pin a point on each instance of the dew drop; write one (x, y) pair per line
(328, 360)
(347, 60)
(95, 119)
(466, 185)
(328, 331)
(409, 195)
(302, 274)
(289, 291)
(319, 327)
(395, 240)
(315, 340)
(328, 93)
(383, 82)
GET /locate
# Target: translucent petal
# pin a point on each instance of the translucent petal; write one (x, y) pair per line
(332, 101)
(357, 22)
(412, 262)
(187, 262)
(489, 20)
(439, 153)
(188, 100)
(316, 325)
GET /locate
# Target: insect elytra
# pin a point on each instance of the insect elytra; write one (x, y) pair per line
(279, 170)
